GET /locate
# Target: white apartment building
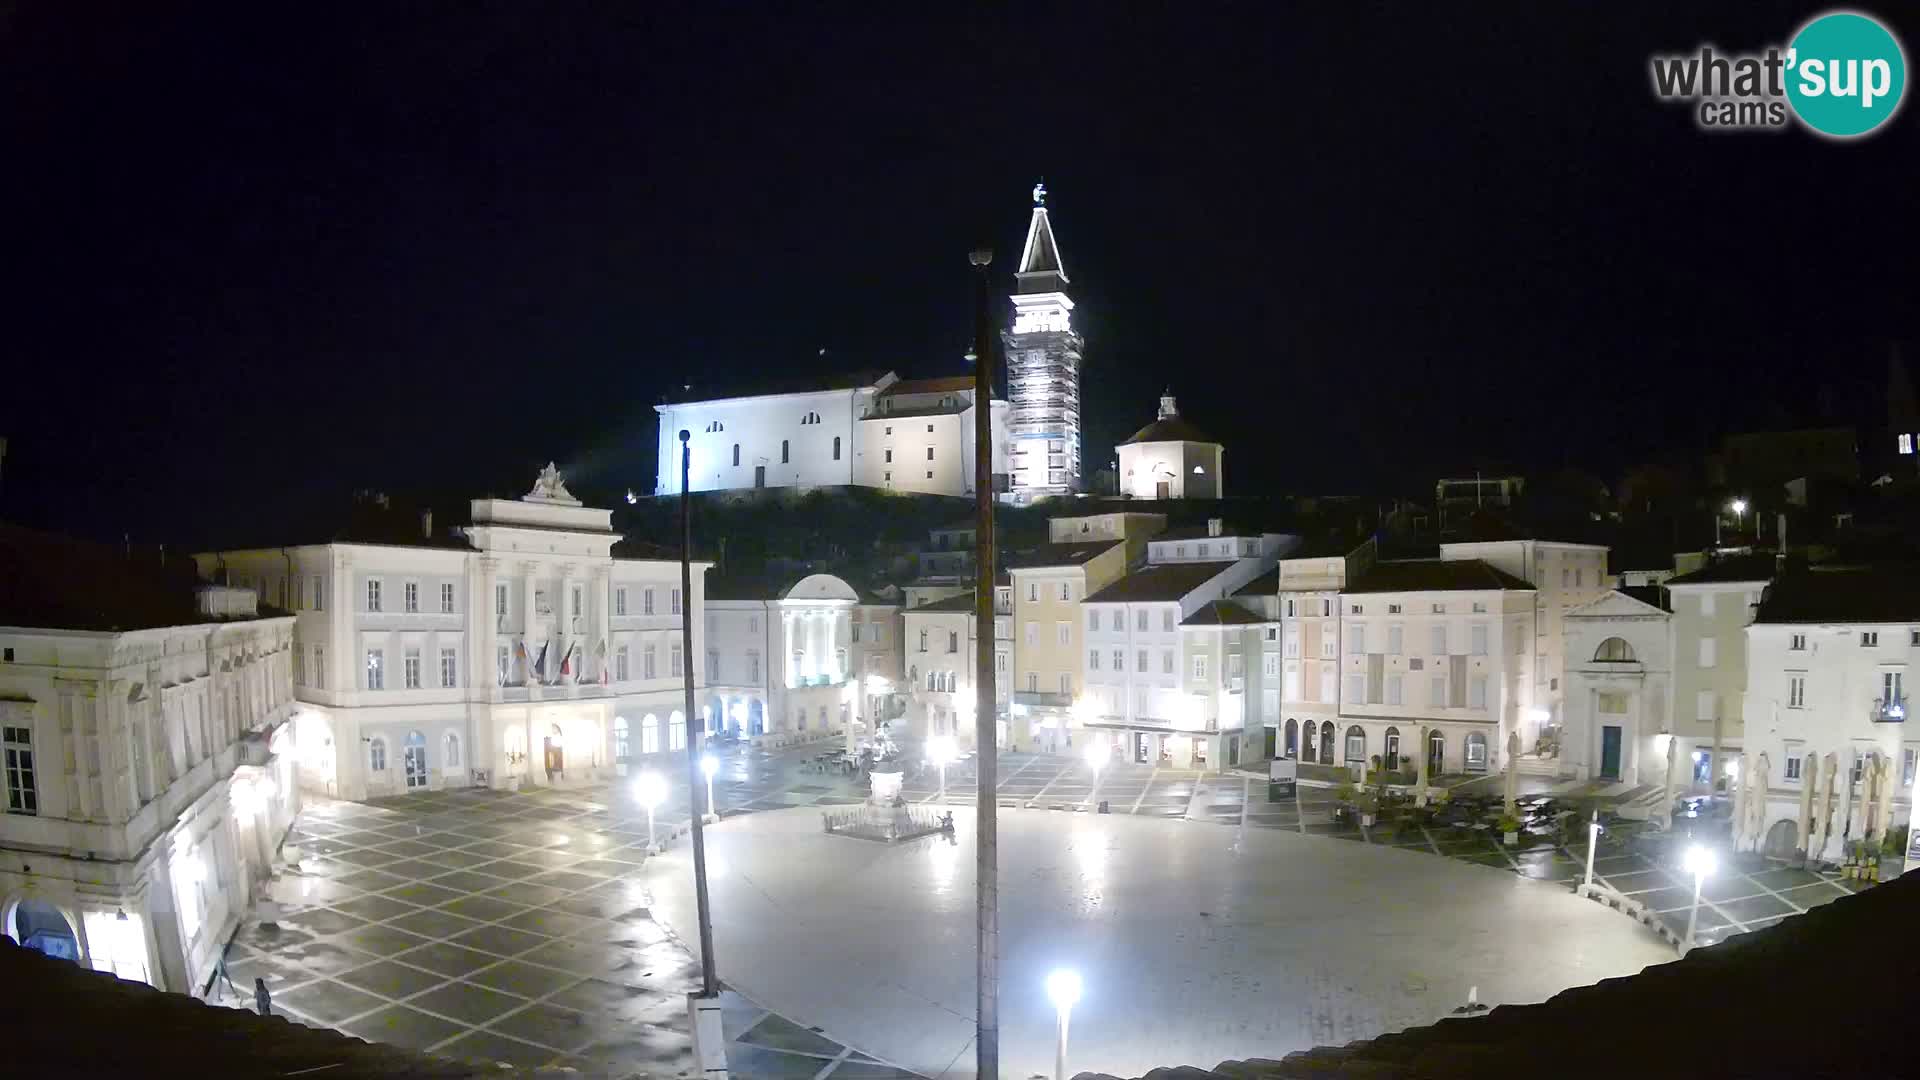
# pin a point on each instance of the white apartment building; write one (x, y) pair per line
(1564, 576)
(941, 643)
(1171, 664)
(148, 776)
(516, 651)
(871, 429)
(814, 658)
(1308, 582)
(1712, 606)
(1826, 707)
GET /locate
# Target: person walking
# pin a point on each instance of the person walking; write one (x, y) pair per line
(262, 1000)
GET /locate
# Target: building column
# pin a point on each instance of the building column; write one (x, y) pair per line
(602, 604)
(530, 573)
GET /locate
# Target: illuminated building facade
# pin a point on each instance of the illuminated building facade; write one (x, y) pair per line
(1043, 357)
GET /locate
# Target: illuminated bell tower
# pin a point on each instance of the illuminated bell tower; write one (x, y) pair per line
(1043, 369)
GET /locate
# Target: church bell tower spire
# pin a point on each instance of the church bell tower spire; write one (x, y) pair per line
(1043, 367)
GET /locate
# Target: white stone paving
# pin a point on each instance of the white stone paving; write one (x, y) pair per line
(1197, 944)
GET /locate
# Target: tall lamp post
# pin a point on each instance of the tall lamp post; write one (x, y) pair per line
(1739, 508)
(1699, 863)
(1063, 989)
(709, 1042)
(986, 1032)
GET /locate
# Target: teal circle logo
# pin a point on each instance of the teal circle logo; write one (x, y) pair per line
(1845, 74)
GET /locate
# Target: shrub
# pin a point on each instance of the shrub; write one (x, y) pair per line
(1508, 823)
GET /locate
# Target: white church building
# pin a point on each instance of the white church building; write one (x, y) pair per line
(867, 429)
(1170, 459)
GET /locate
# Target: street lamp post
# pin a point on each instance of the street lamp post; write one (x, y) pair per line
(986, 1024)
(1063, 989)
(651, 789)
(1739, 508)
(710, 765)
(1699, 863)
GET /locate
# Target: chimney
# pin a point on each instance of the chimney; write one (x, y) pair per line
(426, 524)
(1214, 525)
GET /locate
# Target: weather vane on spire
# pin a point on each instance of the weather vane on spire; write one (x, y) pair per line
(1040, 193)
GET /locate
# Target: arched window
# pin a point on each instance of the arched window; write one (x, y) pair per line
(377, 754)
(923, 641)
(1436, 753)
(736, 453)
(453, 750)
(784, 455)
(1614, 651)
(1392, 757)
(620, 748)
(836, 448)
(1309, 744)
(1293, 739)
(1476, 752)
(1356, 744)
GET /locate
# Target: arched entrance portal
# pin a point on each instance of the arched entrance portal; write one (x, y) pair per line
(757, 718)
(1783, 839)
(40, 926)
(1309, 742)
(1326, 743)
(555, 752)
(1293, 738)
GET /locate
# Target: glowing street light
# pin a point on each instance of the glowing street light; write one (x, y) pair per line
(1698, 862)
(1739, 508)
(708, 766)
(942, 751)
(650, 788)
(1063, 989)
(1097, 753)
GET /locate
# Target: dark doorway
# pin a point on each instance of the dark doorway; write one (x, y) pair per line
(1273, 741)
(759, 476)
(1610, 752)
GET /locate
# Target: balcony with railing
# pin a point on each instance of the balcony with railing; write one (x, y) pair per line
(1891, 710)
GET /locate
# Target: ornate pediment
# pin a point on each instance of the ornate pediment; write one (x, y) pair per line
(1617, 605)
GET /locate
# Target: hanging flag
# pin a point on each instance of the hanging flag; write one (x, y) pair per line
(526, 661)
(566, 663)
(540, 665)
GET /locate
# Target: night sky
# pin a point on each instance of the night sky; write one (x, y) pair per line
(260, 256)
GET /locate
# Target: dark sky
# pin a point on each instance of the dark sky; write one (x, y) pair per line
(263, 255)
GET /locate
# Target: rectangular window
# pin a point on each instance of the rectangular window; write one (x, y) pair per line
(1709, 651)
(1908, 758)
(500, 600)
(753, 665)
(23, 790)
(1356, 609)
(1437, 692)
(646, 602)
(1477, 692)
(319, 593)
(1033, 682)
(446, 598)
(675, 661)
(1393, 690)
(448, 671)
(1032, 631)
(1269, 664)
(1140, 620)
(650, 665)
(373, 594)
(1117, 621)
(412, 591)
(1890, 687)
(1141, 662)
(376, 669)
(1326, 609)
(576, 604)
(319, 667)
(1200, 667)
(1033, 592)
(1166, 620)
(1869, 639)
(1796, 691)
(1093, 620)
(1394, 640)
(953, 640)
(1289, 609)
(1793, 767)
(620, 601)
(622, 664)
(1356, 689)
(1703, 706)
(1063, 633)
(856, 633)
(1166, 661)
(1066, 683)
(1293, 642)
(1093, 660)
(1393, 609)
(1439, 642)
(1439, 609)
(410, 662)
(676, 603)
(1479, 632)
(1066, 591)
(1479, 607)
(1356, 640)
